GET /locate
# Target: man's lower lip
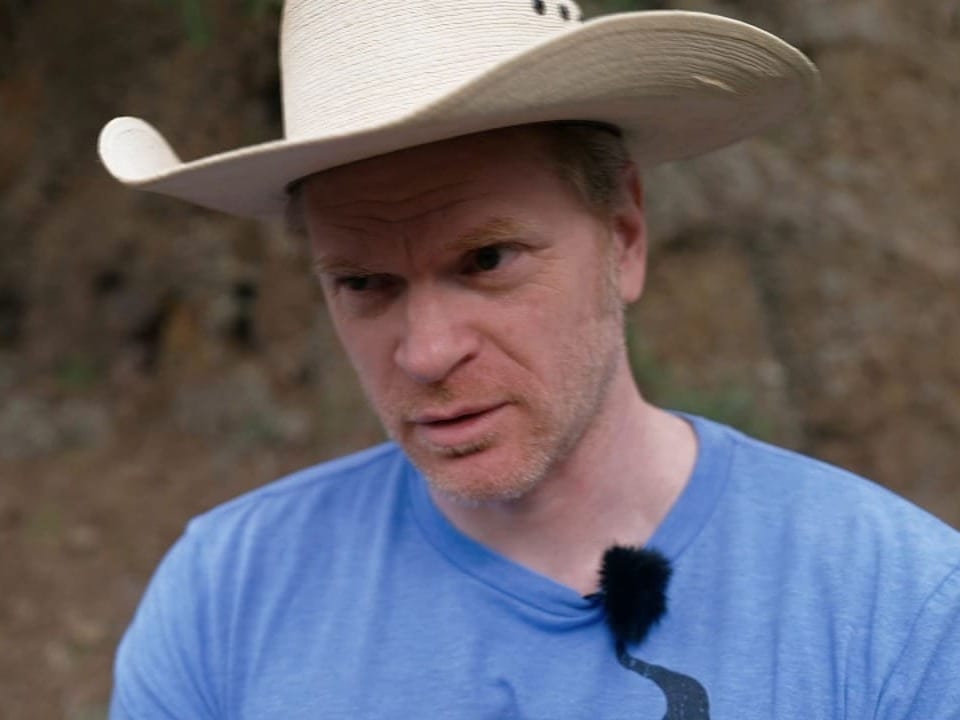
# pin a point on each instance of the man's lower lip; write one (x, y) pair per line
(461, 431)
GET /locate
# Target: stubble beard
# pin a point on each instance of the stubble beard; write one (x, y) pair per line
(590, 365)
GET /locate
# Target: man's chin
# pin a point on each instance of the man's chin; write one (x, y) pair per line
(479, 475)
(463, 450)
(474, 496)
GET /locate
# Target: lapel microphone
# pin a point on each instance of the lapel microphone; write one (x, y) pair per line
(633, 581)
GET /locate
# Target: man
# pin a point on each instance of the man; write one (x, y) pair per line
(477, 226)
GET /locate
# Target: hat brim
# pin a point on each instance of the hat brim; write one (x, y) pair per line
(677, 83)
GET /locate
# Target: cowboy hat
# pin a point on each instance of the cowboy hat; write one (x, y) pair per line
(362, 79)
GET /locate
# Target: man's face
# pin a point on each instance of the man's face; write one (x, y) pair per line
(480, 303)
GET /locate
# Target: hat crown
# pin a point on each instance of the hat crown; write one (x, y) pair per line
(350, 64)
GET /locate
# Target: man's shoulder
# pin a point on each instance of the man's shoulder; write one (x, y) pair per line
(851, 521)
(332, 488)
(792, 475)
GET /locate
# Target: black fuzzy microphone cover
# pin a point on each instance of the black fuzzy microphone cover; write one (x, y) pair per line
(634, 585)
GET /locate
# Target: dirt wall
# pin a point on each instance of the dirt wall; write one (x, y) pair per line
(156, 359)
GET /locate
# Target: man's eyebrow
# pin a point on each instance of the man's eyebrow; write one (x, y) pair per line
(339, 265)
(492, 231)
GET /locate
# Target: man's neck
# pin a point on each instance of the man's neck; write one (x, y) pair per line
(615, 487)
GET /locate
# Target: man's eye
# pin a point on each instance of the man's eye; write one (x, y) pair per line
(360, 283)
(488, 258)
(357, 283)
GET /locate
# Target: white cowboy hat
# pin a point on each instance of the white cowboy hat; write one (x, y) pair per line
(366, 78)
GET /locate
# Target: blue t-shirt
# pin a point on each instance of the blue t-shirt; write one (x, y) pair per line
(799, 591)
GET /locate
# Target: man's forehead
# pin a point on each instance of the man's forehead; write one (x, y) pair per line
(456, 160)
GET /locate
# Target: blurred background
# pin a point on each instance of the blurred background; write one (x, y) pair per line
(156, 359)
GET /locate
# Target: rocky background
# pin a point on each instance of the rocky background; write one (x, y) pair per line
(156, 359)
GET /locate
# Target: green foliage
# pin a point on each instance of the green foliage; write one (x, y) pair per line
(78, 372)
(195, 21)
(728, 403)
(45, 523)
(259, 430)
(199, 26)
(258, 8)
(90, 712)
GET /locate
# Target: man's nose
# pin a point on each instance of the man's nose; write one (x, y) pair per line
(436, 340)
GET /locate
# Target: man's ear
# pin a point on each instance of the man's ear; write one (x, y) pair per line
(629, 228)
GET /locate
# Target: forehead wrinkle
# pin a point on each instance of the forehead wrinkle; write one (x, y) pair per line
(423, 214)
(365, 227)
(347, 227)
(336, 265)
(364, 199)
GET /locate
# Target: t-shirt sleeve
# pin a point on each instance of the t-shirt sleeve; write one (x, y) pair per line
(925, 682)
(162, 669)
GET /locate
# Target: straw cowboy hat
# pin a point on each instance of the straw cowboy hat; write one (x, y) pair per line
(366, 78)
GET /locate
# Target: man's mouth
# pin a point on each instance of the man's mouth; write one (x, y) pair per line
(458, 426)
(449, 417)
